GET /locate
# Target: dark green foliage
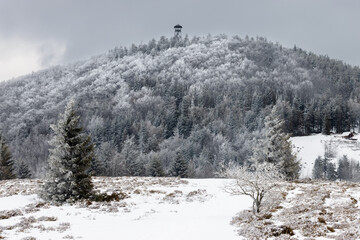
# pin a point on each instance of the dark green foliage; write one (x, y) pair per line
(156, 168)
(185, 123)
(344, 169)
(179, 167)
(23, 171)
(68, 177)
(97, 167)
(324, 169)
(130, 154)
(331, 173)
(6, 163)
(319, 169)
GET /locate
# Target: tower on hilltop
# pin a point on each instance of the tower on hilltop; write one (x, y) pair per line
(177, 28)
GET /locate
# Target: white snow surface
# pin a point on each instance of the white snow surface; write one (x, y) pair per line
(308, 148)
(191, 209)
(16, 201)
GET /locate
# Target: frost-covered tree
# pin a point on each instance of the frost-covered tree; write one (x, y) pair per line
(256, 181)
(132, 164)
(6, 162)
(69, 163)
(23, 171)
(344, 169)
(156, 168)
(180, 166)
(101, 165)
(319, 169)
(276, 147)
(331, 172)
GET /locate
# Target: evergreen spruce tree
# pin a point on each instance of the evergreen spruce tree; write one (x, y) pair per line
(331, 172)
(276, 147)
(68, 178)
(6, 163)
(185, 123)
(130, 152)
(344, 169)
(318, 169)
(156, 169)
(180, 167)
(23, 171)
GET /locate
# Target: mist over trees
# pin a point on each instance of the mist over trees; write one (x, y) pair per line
(200, 100)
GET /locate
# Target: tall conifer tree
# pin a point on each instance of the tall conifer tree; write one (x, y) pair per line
(179, 167)
(276, 147)
(23, 171)
(68, 178)
(6, 163)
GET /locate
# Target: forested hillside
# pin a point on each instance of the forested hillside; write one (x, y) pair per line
(194, 102)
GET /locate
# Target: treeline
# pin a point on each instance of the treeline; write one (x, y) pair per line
(345, 170)
(200, 100)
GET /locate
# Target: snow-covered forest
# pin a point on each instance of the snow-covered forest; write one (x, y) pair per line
(195, 101)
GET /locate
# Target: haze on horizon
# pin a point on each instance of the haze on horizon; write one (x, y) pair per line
(38, 34)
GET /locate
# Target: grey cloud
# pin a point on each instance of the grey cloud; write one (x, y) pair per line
(90, 27)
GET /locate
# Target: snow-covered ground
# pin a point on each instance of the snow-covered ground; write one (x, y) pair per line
(171, 208)
(165, 208)
(308, 148)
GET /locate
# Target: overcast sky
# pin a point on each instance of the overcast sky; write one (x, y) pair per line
(36, 34)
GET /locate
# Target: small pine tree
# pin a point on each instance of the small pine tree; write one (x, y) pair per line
(23, 171)
(68, 177)
(6, 163)
(130, 152)
(344, 169)
(180, 167)
(331, 172)
(318, 169)
(156, 169)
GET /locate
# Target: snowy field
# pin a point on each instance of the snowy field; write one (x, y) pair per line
(170, 208)
(157, 208)
(308, 148)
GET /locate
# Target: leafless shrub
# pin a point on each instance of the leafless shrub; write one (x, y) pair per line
(63, 227)
(10, 214)
(68, 237)
(48, 219)
(28, 238)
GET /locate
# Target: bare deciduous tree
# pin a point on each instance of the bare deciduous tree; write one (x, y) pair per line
(255, 181)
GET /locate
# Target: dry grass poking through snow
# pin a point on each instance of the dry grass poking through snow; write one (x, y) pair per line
(19, 186)
(34, 218)
(307, 210)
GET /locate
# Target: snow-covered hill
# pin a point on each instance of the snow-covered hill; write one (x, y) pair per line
(206, 98)
(308, 148)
